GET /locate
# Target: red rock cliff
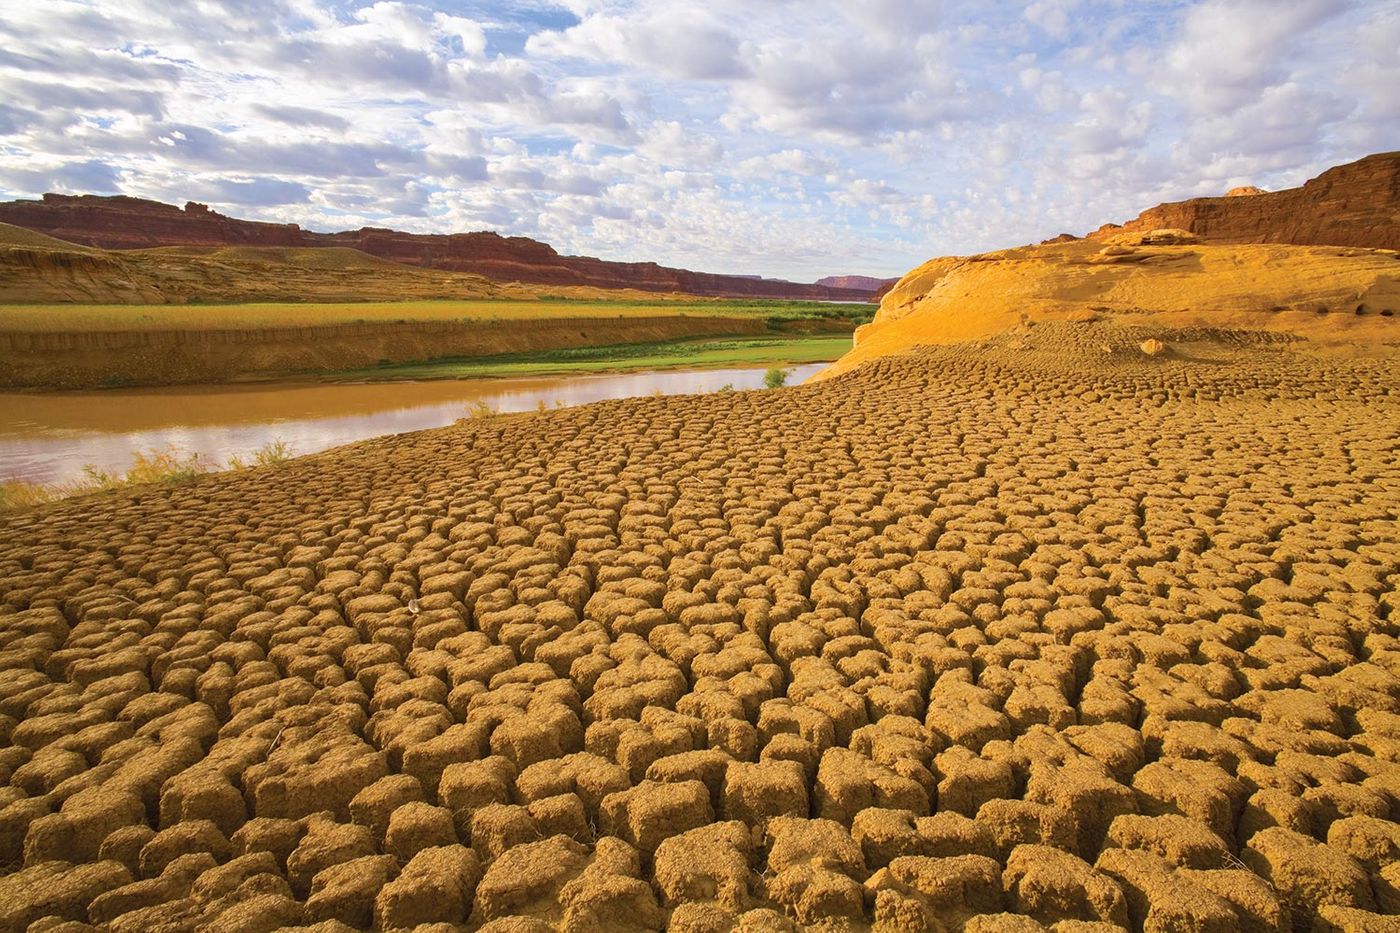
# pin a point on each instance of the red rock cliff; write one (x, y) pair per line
(135, 223)
(1357, 204)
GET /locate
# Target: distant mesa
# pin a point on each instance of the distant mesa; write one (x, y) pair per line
(124, 223)
(867, 283)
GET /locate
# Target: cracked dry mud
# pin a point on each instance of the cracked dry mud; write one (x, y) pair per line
(1031, 633)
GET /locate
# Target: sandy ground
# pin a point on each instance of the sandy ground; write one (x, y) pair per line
(1030, 632)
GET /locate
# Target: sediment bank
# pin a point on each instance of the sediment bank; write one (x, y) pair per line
(75, 360)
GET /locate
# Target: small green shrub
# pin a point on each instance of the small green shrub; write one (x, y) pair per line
(775, 378)
(726, 389)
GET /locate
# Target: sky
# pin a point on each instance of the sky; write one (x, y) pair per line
(786, 138)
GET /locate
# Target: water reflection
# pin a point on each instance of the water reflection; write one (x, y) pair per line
(49, 437)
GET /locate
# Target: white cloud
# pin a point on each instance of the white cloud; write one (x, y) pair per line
(782, 138)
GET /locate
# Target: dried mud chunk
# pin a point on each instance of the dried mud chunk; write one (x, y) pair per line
(710, 863)
(589, 776)
(754, 793)
(1197, 789)
(325, 843)
(265, 834)
(1051, 885)
(816, 869)
(75, 833)
(183, 839)
(700, 917)
(436, 886)
(469, 786)
(562, 814)
(172, 884)
(608, 894)
(373, 806)
(735, 737)
(48, 768)
(1296, 709)
(885, 835)
(497, 828)
(1373, 842)
(1002, 923)
(1332, 802)
(314, 775)
(1272, 807)
(516, 925)
(124, 845)
(262, 913)
(961, 716)
(416, 826)
(1038, 704)
(55, 889)
(967, 781)
(15, 820)
(1182, 842)
(426, 760)
(1159, 899)
(178, 916)
(1306, 873)
(239, 877)
(1334, 919)
(708, 766)
(526, 880)
(203, 794)
(346, 892)
(1256, 905)
(651, 812)
(848, 782)
(1198, 740)
(1014, 823)
(541, 736)
(965, 884)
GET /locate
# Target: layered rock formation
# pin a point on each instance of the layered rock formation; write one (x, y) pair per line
(1357, 204)
(135, 223)
(1317, 261)
(39, 269)
(1332, 295)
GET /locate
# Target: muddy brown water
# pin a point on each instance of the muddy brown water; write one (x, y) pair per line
(50, 437)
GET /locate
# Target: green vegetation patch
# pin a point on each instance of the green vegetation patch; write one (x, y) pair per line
(686, 354)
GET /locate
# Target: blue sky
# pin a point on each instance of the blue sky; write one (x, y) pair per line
(793, 138)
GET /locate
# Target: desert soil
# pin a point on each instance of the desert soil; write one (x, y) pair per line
(1030, 632)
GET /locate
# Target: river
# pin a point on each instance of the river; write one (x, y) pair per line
(49, 437)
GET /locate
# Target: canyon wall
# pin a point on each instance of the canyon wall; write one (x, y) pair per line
(135, 223)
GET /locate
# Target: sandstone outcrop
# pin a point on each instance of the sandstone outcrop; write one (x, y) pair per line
(1339, 296)
(1357, 204)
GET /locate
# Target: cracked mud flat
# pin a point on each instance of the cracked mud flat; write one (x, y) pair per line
(1030, 633)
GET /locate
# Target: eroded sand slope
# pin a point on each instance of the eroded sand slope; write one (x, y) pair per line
(1030, 632)
(1338, 297)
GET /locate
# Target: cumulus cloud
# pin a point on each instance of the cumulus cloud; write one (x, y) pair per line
(783, 138)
